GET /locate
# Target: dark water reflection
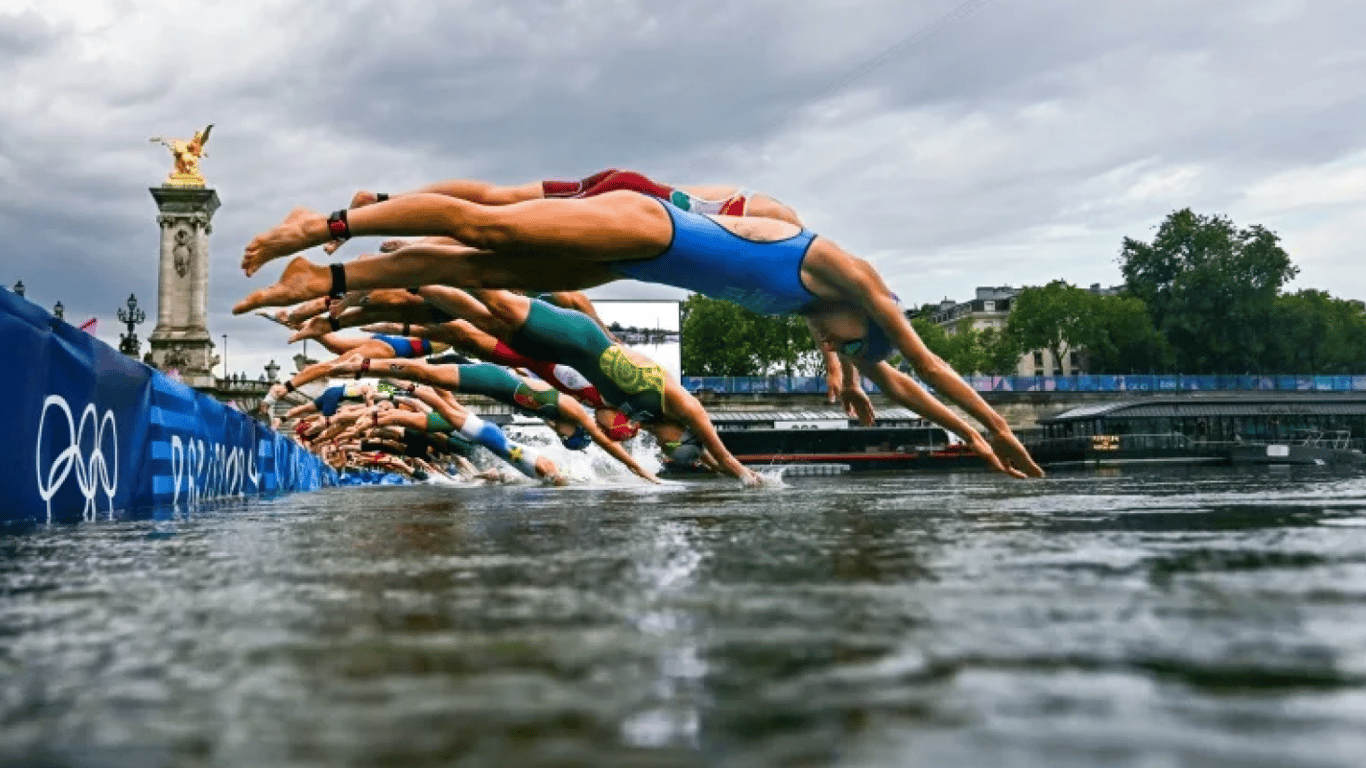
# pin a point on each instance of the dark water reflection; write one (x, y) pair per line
(1193, 617)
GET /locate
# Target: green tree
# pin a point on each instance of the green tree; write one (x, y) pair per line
(716, 339)
(783, 344)
(1209, 288)
(1000, 352)
(1316, 334)
(1118, 337)
(968, 350)
(933, 334)
(1056, 317)
(724, 339)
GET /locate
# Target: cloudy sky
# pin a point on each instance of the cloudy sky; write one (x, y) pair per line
(954, 143)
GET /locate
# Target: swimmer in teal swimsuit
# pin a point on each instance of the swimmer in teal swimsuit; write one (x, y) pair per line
(574, 244)
(569, 420)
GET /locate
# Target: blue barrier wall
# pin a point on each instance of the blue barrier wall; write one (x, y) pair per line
(89, 432)
(1087, 383)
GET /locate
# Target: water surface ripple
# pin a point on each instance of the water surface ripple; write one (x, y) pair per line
(1206, 616)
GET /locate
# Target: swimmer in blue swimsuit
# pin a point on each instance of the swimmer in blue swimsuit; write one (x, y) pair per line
(707, 200)
(530, 247)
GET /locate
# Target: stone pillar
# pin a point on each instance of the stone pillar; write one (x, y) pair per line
(181, 339)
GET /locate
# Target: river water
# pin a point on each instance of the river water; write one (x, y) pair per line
(1200, 616)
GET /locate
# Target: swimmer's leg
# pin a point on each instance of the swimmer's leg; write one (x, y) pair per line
(520, 456)
(425, 264)
(610, 227)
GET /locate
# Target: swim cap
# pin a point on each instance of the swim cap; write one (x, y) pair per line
(577, 441)
(621, 428)
(876, 345)
(684, 450)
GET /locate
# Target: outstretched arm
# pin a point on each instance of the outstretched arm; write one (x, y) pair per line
(855, 400)
(687, 409)
(612, 447)
(472, 190)
(859, 280)
(834, 377)
(842, 380)
(904, 390)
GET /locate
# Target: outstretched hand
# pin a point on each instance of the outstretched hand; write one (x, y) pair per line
(982, 448)
(1009, 448)
(857, 405)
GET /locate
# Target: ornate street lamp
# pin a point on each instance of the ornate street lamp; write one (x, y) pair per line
(19, 288)
(128, 344)
(59, 311)
(271, 370)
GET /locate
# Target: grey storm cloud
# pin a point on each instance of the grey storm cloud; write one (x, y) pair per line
(951, 143)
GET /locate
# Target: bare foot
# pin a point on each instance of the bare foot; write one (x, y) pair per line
(311, 308)
(301, 229)
(313, 329)
(351, 299)
(388, 329)
(279, 316)
(301, 280)
(382, 297)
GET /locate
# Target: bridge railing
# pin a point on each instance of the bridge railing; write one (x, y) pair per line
(776, 385)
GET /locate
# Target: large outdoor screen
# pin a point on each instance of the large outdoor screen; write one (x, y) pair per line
(649, 327)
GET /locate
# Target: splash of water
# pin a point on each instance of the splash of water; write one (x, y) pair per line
(591, 466)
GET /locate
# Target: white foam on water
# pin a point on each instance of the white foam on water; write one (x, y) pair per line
(591, 467)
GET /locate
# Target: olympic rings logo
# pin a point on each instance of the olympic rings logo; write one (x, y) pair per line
(210, 470)
(92, 472)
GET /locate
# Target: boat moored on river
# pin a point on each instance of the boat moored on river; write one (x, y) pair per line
(1260, 428)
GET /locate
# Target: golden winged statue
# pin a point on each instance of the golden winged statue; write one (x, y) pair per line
(186, 155)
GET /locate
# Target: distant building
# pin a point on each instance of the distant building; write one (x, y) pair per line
(991, 307)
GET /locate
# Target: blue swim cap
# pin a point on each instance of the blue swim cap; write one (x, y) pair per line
(577, 441)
